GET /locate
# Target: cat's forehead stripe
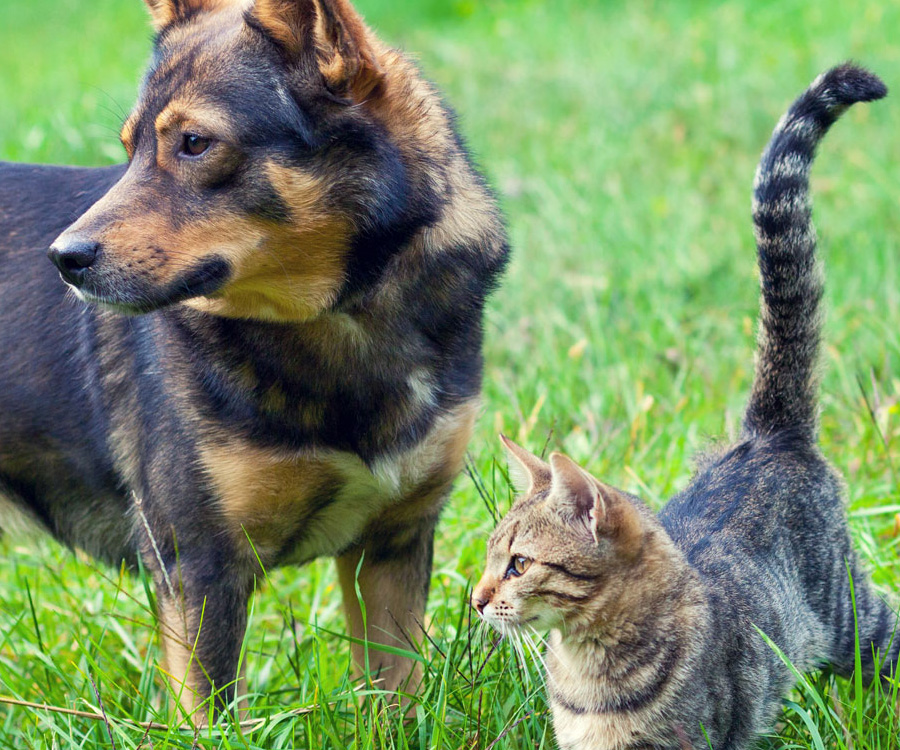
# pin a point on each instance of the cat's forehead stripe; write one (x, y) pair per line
(512, 535)
(559, 567)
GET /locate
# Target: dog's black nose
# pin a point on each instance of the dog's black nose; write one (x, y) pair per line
(74, 258)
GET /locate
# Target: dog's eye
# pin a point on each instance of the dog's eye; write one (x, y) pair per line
(194, 145)
(518, 565)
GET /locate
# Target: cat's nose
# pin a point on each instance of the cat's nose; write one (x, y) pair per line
(480, 598)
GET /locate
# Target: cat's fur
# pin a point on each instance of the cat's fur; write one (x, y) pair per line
(654, 620)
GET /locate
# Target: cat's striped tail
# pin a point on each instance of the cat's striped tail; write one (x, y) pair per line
(785, 388)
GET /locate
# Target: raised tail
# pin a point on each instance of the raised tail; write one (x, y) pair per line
(785, 388)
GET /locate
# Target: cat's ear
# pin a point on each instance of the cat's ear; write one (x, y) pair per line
(575, 494)
(620, 519)
(604, 510)
(329, 34)
(526, 471)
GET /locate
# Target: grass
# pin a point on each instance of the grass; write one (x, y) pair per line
(623, 139)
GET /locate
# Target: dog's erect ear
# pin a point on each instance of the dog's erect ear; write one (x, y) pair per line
(327, 33)
(291, 23)
(165, 12)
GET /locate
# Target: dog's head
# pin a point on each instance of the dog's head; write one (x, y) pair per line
(260, 151)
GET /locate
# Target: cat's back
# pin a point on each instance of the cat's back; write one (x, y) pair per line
(763, 526)
(766, 498)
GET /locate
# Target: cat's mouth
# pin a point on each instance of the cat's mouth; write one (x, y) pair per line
(507, 624)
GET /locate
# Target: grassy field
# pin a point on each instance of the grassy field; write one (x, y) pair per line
(623, 138)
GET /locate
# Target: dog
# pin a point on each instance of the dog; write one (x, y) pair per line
(267, 348)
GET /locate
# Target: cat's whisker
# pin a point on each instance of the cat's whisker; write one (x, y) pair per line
(535, 661)
(536, 650)
(515, 638)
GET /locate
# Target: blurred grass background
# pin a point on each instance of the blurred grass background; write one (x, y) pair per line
(622, 138)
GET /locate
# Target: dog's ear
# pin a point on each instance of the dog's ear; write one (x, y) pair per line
(165, 12)
(328, 34)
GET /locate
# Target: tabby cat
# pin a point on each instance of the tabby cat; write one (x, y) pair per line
(654, 620)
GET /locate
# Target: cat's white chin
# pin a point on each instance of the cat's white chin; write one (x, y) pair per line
(506, 624)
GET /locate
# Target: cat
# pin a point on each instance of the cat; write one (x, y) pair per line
(655, 620)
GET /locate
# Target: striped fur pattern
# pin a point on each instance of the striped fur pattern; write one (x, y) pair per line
(653, 619)
(784, 393)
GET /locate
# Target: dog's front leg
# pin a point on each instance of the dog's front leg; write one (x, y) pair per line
(202, 591)
(394, 569)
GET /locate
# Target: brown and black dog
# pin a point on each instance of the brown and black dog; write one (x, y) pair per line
(275, 348)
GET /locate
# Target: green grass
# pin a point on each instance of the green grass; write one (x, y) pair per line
(623, 138)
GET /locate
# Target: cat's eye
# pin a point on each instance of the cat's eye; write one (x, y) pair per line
(194, 145)
(518, 565)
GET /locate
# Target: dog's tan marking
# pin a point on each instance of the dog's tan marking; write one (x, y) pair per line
(264, 493)
(166, 12)
(246, 371)
(473, 218)
(394, 622)
(126, 135)
(194, 114)
(286, 21)
(293, 271)
(330, 496)
(305, 194)
(274, 401)
(185, 676)
(404, 107)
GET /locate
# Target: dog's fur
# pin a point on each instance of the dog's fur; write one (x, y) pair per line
(298, 369)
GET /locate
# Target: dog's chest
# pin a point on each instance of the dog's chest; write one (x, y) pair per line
(295, 506)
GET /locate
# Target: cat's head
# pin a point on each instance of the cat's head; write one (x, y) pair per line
(565, 542)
